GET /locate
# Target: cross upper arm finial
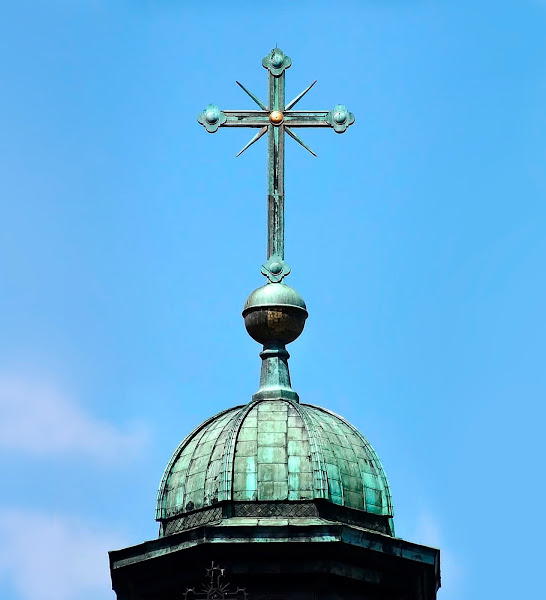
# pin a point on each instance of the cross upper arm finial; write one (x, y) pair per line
(276, 118)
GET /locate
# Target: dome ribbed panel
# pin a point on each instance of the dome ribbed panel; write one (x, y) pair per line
(272, 459)
(190, 480)
(354, 473)
(230, 447)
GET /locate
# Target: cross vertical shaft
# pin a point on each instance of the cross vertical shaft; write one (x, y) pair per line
(275, 171)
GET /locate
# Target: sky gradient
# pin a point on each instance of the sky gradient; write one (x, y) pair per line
(130, 239)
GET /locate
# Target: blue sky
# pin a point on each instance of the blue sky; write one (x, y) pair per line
(130, 239)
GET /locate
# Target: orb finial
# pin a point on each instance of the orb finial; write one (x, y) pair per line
(275, 316)
(275, 313)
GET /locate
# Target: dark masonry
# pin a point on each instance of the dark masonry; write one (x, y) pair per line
(275, 499)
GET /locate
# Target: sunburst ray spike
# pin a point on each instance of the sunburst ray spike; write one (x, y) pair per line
(299, 97)
(255, 98)
(254, 139)
(295, 137)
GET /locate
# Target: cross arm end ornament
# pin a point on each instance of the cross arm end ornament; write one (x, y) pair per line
(211, 118)
(340, 118)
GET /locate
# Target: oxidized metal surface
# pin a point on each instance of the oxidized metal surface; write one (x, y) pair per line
(279, 512)
(340, 118)
(195, 519)
(274, 316)
(275, 313)
(275, 118)
(215, 588)
(274, 451)
(275, 269)
(281, 324)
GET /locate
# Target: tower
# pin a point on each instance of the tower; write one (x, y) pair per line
(276, 498)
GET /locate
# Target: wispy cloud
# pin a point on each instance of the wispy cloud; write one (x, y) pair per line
(39, 420)
(429, 533)
(55, 557)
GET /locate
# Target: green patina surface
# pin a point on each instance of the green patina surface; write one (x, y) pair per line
(276, 118)
(274, 450)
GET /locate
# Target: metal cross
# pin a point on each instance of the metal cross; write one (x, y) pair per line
(215, 589)
(276, 118)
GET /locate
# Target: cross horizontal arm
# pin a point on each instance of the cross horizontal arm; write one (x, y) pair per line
(339, 118)
(246, 118)
(308, 118)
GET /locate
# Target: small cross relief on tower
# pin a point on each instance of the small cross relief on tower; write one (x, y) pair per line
(215, 588)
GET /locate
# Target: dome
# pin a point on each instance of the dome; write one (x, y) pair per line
(274, 451)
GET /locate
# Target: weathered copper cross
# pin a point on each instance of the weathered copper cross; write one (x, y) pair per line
(275, 119)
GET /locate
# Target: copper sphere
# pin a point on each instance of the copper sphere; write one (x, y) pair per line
(275, 313)
(276, 117)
